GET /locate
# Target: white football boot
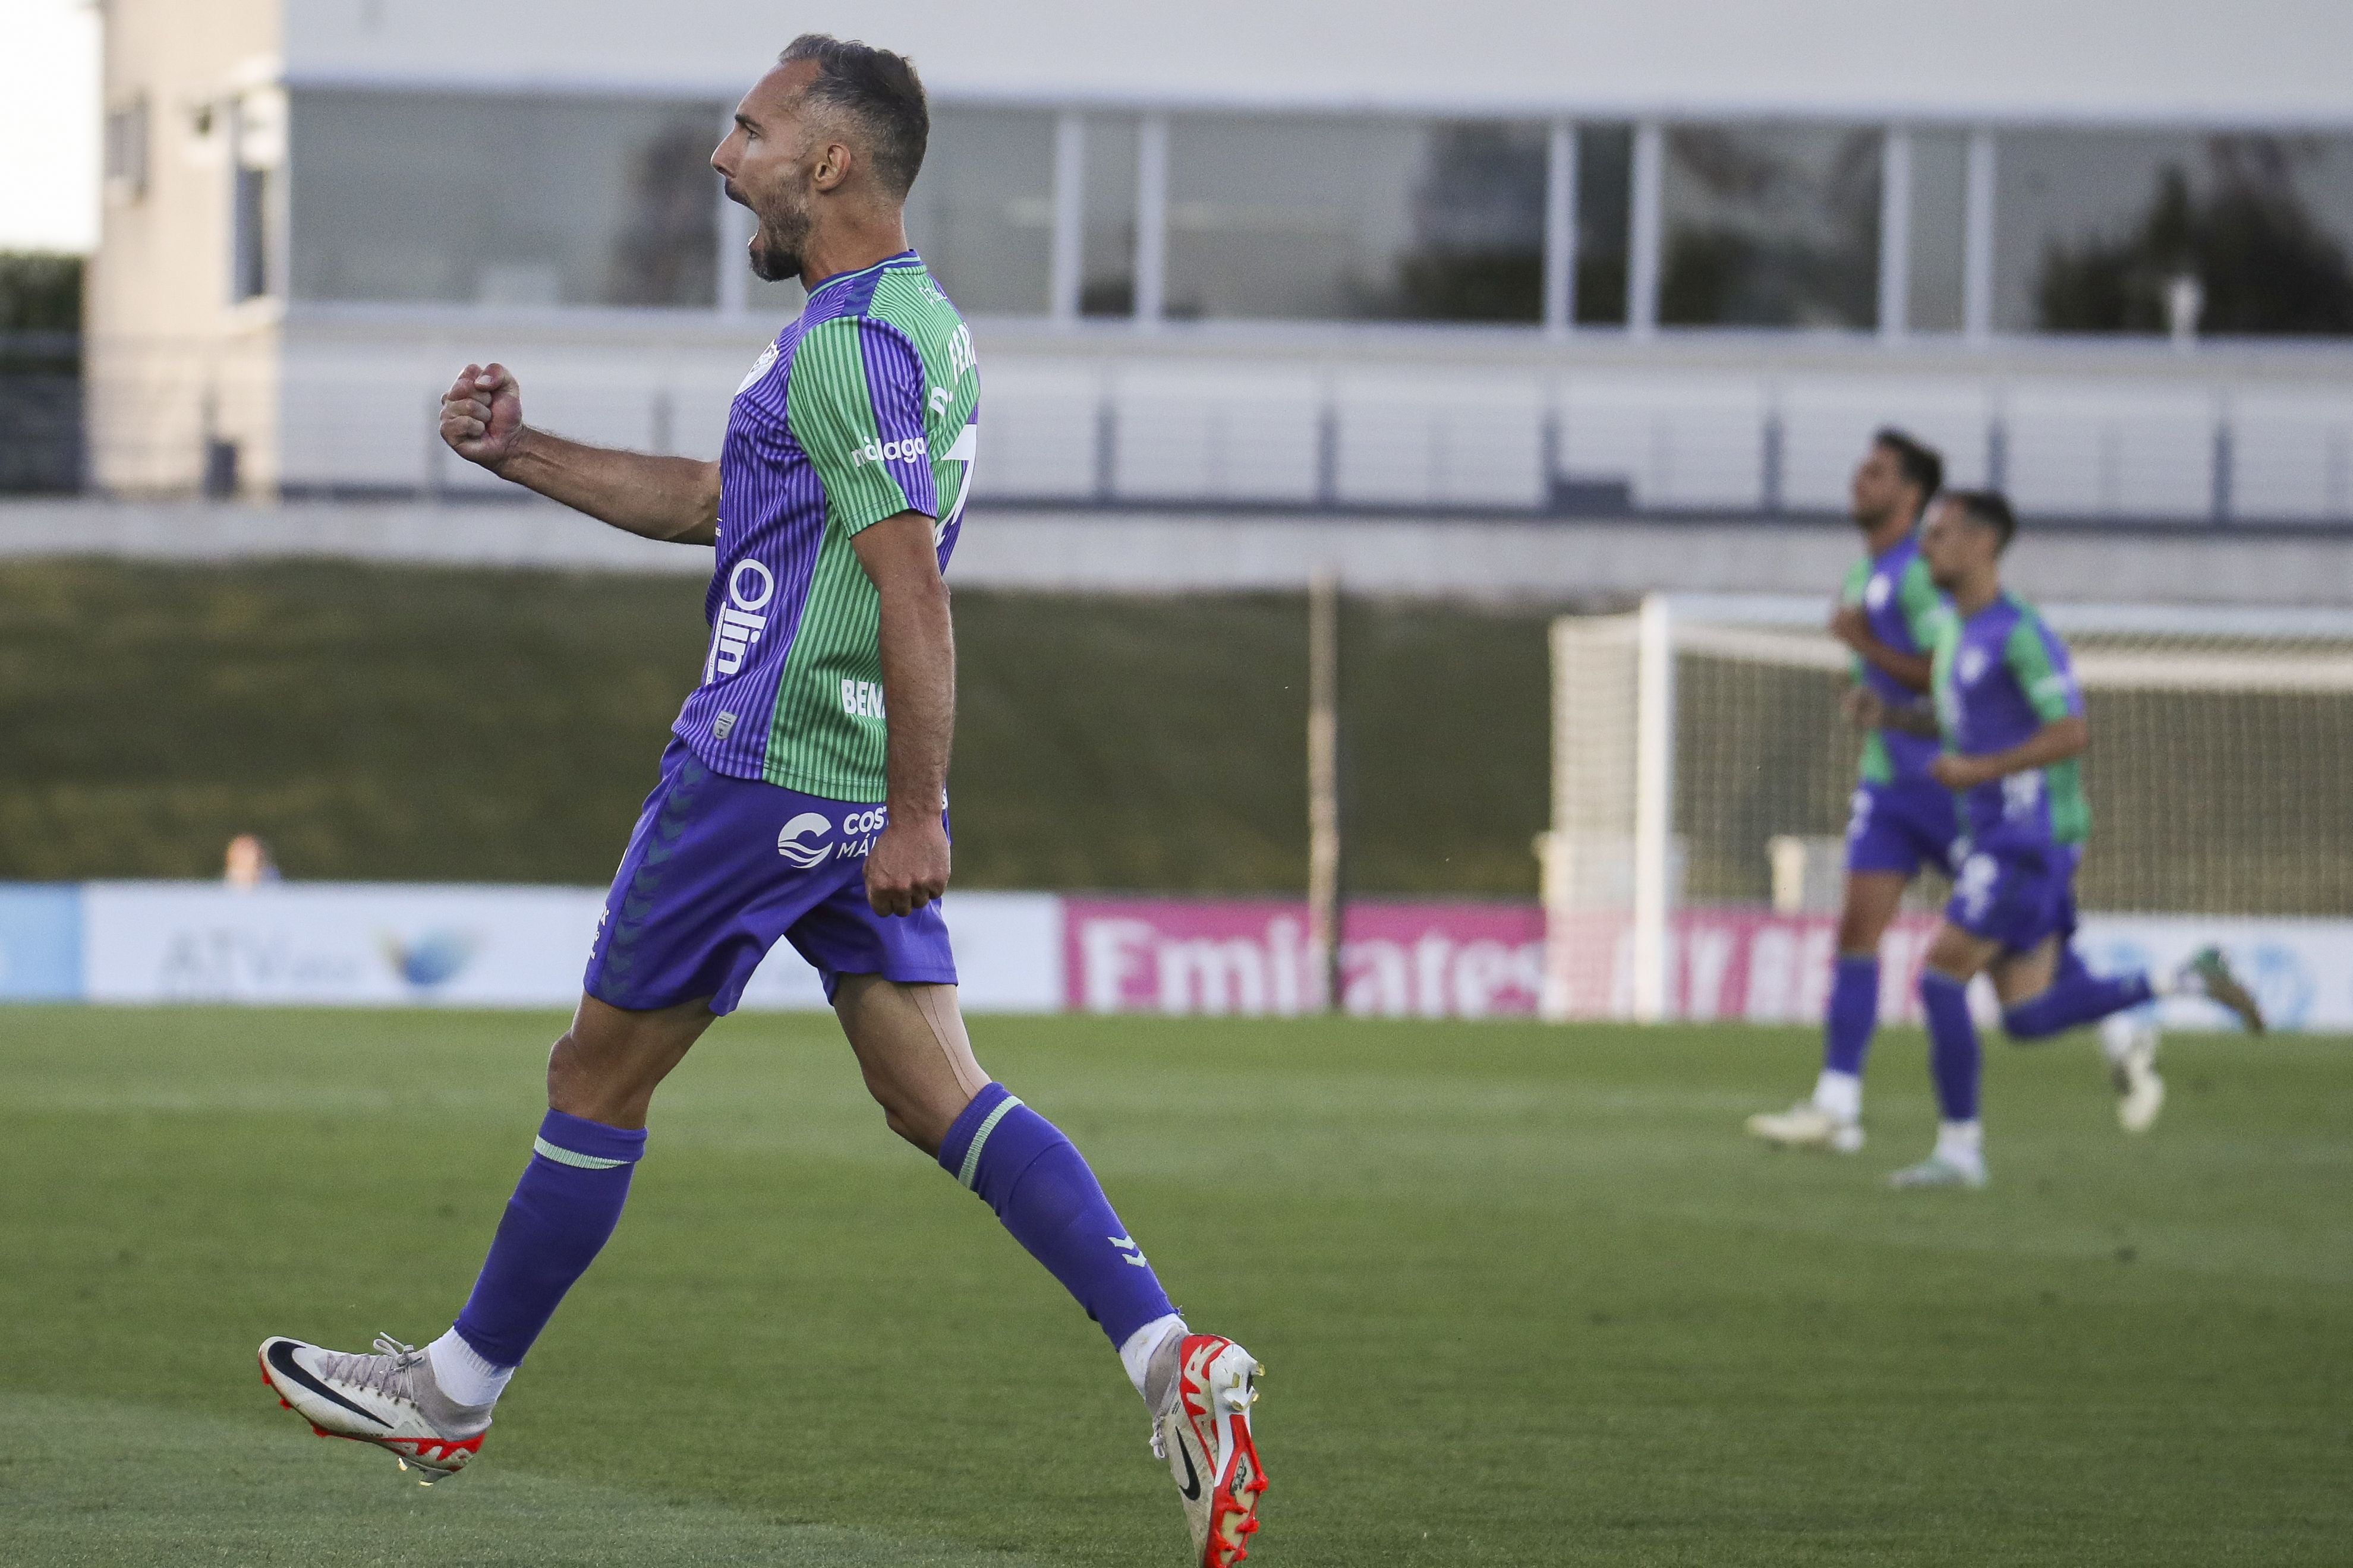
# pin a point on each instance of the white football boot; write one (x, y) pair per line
(2208, 975)
(1203, 1431)
(1941, 1169)
(1806, 1125)
(2128, 1041)
(389, 1399)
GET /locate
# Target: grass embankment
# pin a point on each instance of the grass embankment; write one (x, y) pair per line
(398, 722)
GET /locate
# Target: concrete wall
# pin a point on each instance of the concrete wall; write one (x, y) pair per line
(2157, 59)
(171, 357)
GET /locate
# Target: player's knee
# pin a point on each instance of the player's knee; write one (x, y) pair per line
(565, 1073)
(1937, 984)
(2033, 1019)
(907, 1112)
(580, 1084)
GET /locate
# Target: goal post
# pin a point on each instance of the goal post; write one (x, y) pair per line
(1702, 777)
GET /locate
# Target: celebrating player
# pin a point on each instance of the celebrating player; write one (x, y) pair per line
(802, 796)
(2012, 719)
(1901, 818)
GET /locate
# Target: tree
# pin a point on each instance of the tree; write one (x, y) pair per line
(40, 292)
(2266, 264)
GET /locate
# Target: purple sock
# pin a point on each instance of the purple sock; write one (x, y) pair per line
(1028, 1172)
(2076, 995)
(567, 1203)
(1853, 1013)
(1952, 1046)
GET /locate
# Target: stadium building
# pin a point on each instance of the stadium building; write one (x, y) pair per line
(1673, 259)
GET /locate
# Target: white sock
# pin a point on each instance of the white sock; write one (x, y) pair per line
(2121, 1033)
(462, 1372)
(1960, 1144)
(1136, 1355)
(1839, 1096)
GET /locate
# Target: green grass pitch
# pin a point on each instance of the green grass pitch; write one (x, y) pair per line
(1524, 1296)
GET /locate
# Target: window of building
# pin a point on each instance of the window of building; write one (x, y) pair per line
(257, 148)
(125, 150)
(1938, 230)
(1356, 218)
(249, 269)
(565, 201)
(1771, 226)
(1107, 236)
(2093, 229)
(981, 211)
(1605, 205)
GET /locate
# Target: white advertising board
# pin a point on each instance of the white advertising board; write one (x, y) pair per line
(383, 944)
(2301, 969)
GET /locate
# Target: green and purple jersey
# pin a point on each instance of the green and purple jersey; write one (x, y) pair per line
(1903, 609)
(2002, 675)
(864, 407)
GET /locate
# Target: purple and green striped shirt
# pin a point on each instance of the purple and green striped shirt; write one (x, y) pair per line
(864, 407)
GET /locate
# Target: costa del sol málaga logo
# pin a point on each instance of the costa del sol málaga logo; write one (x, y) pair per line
(810, 855)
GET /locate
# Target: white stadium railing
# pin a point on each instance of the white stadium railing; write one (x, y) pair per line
(2099, 438)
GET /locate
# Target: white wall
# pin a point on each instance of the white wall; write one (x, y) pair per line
(2176, 60)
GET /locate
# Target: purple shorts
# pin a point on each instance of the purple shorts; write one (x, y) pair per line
(719, 868)
(2017, 896)
(1902, 826)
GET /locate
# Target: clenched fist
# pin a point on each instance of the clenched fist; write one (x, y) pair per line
(481, 416)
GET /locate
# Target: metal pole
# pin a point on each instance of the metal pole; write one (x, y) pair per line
(1070, 178)
(1976, 244)
(1326, 912)
(1654, 756)
(1560, 229)
(1151, 219)
(1644, 242)
(1895, 235)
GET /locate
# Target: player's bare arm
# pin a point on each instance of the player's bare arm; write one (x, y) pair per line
(1852, 626)
(2055, 742)
(909, 865)
(673, 499)
(1867, 709)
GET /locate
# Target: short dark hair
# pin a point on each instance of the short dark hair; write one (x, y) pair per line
(1922, 464)
(880, 91)
(1989, 508)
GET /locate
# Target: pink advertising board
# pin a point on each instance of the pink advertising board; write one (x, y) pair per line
(1454, 960)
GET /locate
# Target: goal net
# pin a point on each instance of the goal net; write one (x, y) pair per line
(1701, 776)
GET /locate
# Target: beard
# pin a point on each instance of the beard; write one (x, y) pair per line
(776, 245)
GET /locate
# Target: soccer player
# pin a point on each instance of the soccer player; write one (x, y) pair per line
(1901, 819)
(2011, 721)
(802, 796)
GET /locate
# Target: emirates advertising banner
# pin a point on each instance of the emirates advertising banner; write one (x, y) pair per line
(1488, 961)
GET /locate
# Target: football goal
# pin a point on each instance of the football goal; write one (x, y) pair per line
(1701, 767)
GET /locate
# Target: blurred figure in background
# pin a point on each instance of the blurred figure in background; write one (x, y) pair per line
(1902, 819)
(2008, 718)
(249, 863)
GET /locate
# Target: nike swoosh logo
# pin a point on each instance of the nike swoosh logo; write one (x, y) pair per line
(1192, 1487)
(281, 1356)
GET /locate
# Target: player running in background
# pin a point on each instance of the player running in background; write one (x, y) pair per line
(790, 805)
(1901, 818)
(2012, 726)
